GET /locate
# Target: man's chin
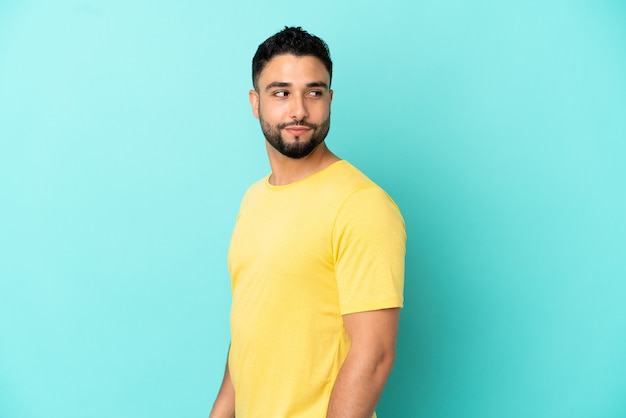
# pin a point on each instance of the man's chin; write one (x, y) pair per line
(296, 150)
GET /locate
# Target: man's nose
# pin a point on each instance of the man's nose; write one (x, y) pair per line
(298, 108)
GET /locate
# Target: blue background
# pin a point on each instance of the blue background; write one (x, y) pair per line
(126, 143)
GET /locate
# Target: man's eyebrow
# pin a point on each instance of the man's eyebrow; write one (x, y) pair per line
(318, 84)
(281, 84)
(277, 84)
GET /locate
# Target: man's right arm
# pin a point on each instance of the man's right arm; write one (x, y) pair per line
(224, 406)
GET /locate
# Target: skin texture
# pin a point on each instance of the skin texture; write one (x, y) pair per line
(292, 102)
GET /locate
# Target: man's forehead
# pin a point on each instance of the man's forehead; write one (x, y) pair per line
(296, 67)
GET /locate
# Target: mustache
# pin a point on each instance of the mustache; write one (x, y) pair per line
(298, 123)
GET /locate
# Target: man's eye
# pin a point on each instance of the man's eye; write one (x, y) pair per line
(281, 94)
(315, 93)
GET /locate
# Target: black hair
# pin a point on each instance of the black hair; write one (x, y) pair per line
(291, 40)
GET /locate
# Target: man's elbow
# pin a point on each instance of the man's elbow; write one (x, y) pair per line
(383, 363)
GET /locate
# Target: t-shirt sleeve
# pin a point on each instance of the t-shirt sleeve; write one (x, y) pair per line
(369, 246)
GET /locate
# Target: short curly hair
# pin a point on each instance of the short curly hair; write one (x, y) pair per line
(291, 40)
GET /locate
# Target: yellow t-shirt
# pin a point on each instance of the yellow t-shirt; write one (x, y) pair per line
(301, 256)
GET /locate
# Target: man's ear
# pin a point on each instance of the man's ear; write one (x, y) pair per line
(330, 92)
(254, 102)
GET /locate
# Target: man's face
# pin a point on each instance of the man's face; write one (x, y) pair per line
(293, 104)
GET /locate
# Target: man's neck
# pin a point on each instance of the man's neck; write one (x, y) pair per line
(287, 170)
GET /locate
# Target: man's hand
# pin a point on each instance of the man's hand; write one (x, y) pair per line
(365, 371)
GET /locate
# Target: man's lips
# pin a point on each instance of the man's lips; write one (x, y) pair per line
(297, 130)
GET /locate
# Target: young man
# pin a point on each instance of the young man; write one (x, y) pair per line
(316, 258)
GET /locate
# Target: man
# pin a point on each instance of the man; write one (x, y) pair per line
(316, 258)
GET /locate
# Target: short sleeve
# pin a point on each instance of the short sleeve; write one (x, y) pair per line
(369, 246)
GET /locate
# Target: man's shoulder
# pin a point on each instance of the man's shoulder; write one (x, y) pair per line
(347, 179)
(255, 188)
(359, 190)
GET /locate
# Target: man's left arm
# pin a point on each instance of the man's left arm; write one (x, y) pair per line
(366, 368)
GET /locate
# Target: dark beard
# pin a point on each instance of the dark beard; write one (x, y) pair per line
(299, 148)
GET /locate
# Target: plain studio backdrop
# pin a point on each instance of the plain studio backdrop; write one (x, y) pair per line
(127, 141)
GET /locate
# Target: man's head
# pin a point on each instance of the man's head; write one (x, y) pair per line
(294, 41)
(291, 73)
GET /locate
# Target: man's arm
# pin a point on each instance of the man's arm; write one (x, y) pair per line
(224, 406)
(367, 366)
